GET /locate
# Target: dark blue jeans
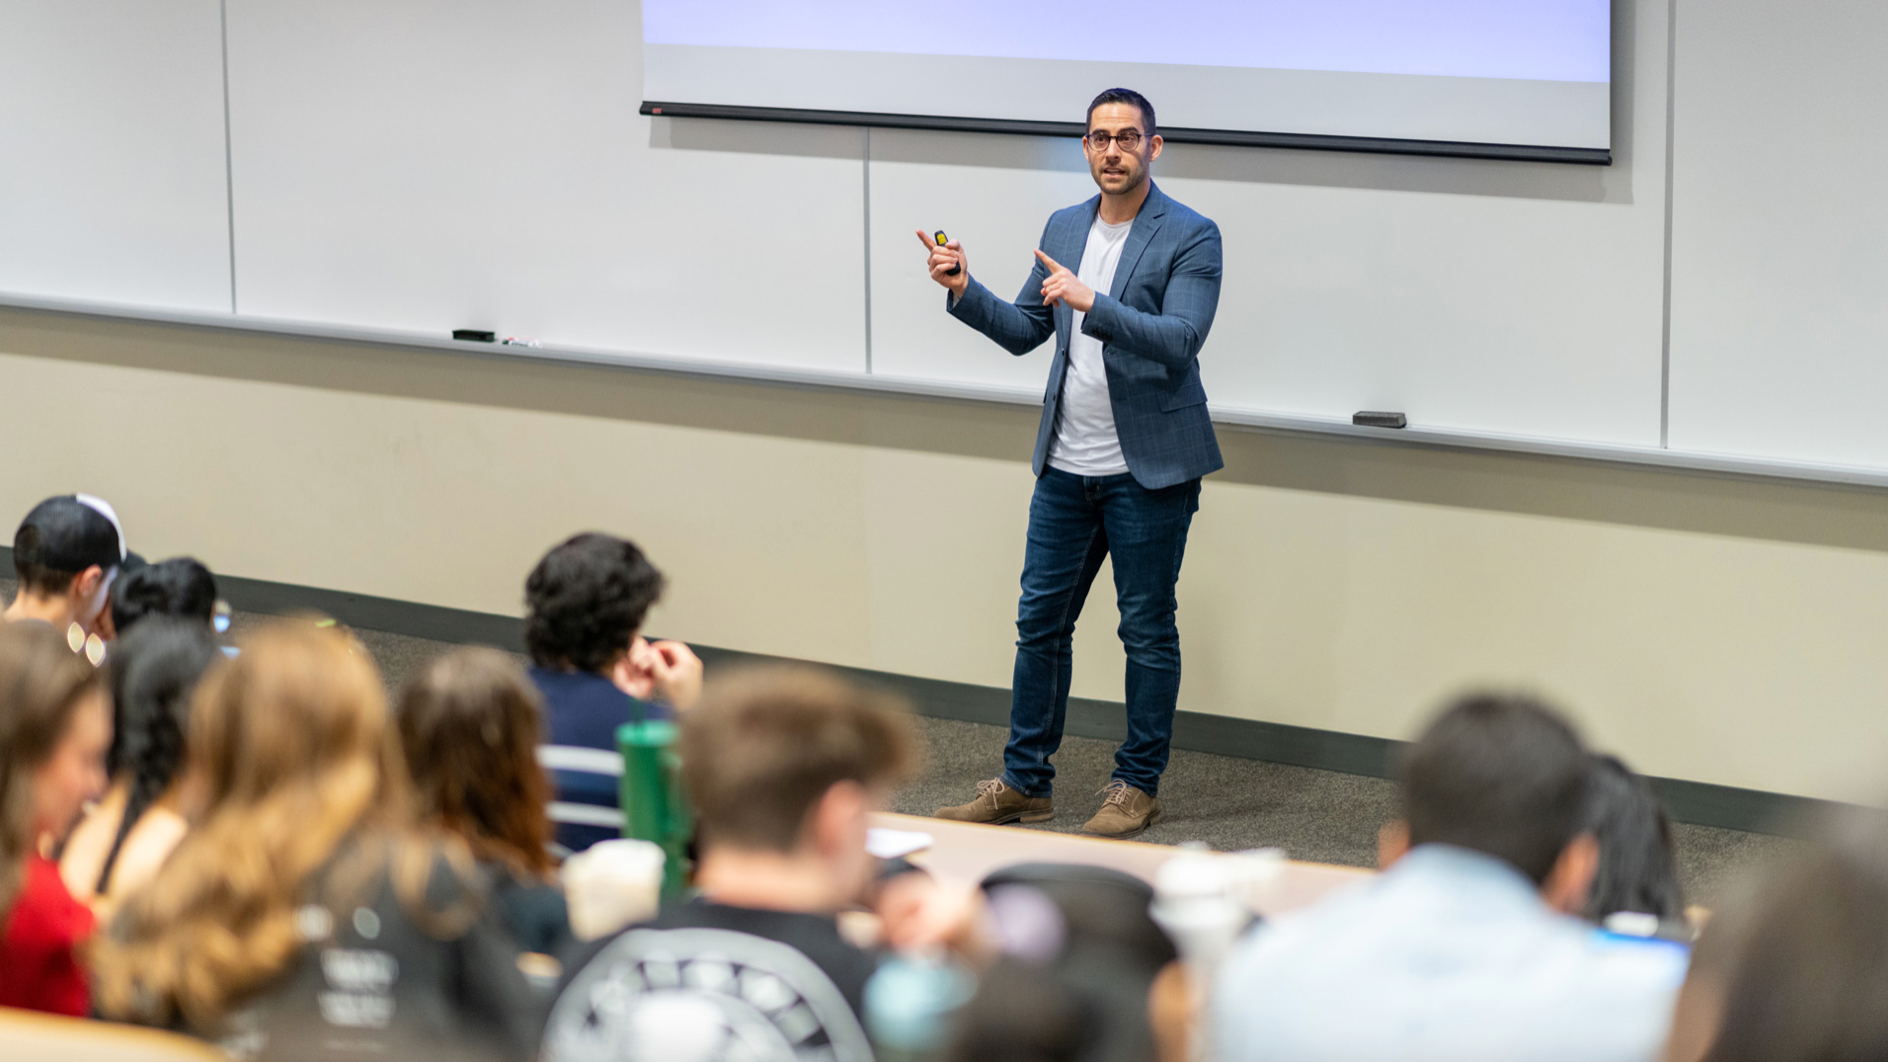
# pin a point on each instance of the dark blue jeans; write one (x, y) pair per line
(1074, 522)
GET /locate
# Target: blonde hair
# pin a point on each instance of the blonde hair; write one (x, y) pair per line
(42, 682)
(292, 750)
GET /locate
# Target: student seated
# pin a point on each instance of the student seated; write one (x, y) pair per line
(122, 841)
(782, 767)
(307, 915)
(54, 726)
(586, 601)
(66, 554)
(1638, 870)
(470, 723)
(181, 587)
(1081, 958)
(1463, 949)
(1794, 970)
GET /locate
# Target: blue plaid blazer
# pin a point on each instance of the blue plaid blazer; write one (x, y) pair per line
(1151, 323)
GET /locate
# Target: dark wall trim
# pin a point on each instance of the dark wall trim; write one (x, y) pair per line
(1172, 134)
(1701, 803)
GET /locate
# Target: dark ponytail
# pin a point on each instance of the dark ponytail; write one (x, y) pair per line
(154, 671)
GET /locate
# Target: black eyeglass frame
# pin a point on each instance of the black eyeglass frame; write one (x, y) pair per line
(1099, 141)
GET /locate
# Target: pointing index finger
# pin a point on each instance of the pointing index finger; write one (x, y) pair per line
(1053, 265)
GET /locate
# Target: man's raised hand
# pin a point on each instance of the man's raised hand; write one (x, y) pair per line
(941, 261)
(1064, 287)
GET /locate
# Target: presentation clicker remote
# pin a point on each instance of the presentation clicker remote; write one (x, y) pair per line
(941, 241)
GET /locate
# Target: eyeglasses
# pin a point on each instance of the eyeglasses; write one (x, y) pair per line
(1128, 140)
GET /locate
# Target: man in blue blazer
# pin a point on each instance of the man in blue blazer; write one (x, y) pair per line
(1124, 440)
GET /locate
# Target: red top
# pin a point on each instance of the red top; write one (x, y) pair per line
(38, 969)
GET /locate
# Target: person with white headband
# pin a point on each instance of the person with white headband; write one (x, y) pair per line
(66, 554)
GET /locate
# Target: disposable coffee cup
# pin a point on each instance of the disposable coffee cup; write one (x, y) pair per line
(612, 884)
(1193, 902)
(1257, 875)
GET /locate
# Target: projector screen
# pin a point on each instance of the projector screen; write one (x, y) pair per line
(1509, 78)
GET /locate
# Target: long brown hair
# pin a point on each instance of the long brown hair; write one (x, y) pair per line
(470, 723)
(42, 683)
(1802, 967)
(291, 751)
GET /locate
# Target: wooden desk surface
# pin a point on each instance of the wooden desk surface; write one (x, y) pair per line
(964, 852)
(26, 1036)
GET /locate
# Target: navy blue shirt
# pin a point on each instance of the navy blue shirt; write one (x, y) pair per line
(582, 712)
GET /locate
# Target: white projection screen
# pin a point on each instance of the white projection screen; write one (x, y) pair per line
(1528, 79)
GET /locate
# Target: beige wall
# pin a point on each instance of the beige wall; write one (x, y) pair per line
(1708, 628)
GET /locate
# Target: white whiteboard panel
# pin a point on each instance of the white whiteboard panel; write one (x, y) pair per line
(425, 165)
(1477, 296)
(1780, 231)
(991, 193)
(112, 175)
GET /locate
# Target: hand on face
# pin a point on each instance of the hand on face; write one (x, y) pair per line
(1063, 286)
(942, 259)
(665, 669)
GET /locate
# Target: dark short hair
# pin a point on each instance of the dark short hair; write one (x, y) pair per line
(766, 743)
(59, 540)
(1127, 96)
(1638, 869)
(586, 599)
(1077, 987)
(180, 587)
(1503, 775)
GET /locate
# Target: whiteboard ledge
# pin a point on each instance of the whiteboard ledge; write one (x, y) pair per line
(1287, 424)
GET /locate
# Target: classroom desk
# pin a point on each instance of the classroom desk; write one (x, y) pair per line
(26, 1036)
(964, 852)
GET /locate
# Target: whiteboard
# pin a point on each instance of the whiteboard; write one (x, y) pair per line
(1780, 232)
(112, 175)
(480, 164)
(1475, 296)
(425, 165)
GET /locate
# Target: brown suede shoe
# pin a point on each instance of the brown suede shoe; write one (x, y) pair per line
(1125, 811)
(998, 804)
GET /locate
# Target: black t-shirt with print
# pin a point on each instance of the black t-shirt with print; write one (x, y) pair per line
(372, 982)
(706, 981)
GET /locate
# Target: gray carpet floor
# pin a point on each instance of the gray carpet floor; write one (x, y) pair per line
(1225, 802)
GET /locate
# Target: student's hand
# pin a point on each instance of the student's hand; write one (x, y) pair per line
(678, 673)
(916, 912)
(634, 674)
(1065, 287)
(942, 259)
(666, 670)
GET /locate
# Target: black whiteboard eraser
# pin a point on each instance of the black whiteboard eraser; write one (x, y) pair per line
(1371, 419)
(473, 335)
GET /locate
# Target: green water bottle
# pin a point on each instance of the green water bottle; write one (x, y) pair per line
(655, 806)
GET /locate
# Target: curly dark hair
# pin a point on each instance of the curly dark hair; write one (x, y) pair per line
(154, 671)
(181, 586)
(586, 599)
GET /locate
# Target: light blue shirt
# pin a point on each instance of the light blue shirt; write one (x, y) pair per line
(1448, 956)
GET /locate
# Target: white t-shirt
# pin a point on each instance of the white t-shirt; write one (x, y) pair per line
(1085, 439)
